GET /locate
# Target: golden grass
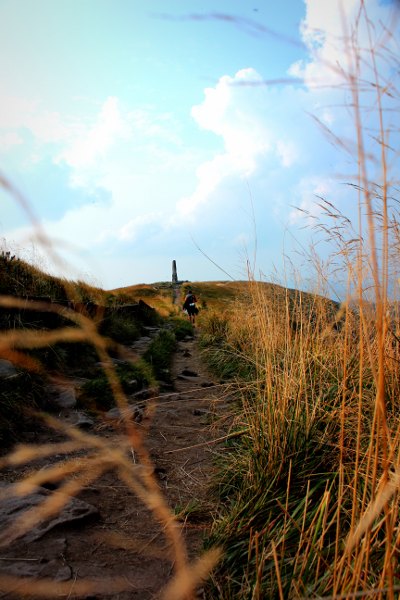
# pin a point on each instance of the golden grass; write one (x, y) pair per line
(312, 491)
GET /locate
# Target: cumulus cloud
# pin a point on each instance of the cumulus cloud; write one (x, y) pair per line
(232, 110)
(9, 139)
(330, 31)
(287, 152)
(308, 194)
(135, 227)
(95, 141)
(241, 112)
(46, 126)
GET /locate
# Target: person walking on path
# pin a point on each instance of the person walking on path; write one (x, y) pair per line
(190, 307)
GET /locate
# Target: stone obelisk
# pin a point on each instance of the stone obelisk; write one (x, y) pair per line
(174, 273)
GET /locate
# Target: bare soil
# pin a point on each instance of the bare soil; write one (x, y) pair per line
(177, 439)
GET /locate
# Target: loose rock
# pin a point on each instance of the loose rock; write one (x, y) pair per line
(7, 369)
(189, 373)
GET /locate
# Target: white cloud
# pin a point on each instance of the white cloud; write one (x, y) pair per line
(331, 32)
(287, 152)
(234, 110)
(8, 140)
(14, 111)
(308, 194)
(131, 230)
(46, 126)
(94, 142)
(226, 112)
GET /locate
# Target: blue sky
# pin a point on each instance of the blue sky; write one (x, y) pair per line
(142, 132)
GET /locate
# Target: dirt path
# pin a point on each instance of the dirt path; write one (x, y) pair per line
(124, 540)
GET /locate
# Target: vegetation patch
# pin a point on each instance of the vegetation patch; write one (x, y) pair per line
(121, 328)
(97, 393)
(159, 355)
(278, 479)
(182, 328)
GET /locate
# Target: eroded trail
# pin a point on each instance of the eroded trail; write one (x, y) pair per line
(121, 540)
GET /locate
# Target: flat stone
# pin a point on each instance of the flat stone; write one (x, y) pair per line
(140, 346)
(141, 341)
(205, 384)
(13, 507)
(201, 412)
(80, 419)
(84, 421)
(152, 331)
(189, 373)
(145, 394)
(20, 568)
(119, 361)
(184, 378)
(7, 368)
(133, 412)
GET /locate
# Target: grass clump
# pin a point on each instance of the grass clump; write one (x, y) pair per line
(285, 483)
(120, 328)
(223, 344)
(97, 394)
(181, 328)
(159, 354)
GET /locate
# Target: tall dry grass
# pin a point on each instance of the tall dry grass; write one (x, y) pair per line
(311, 489)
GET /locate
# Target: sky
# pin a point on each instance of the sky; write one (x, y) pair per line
(136, 133)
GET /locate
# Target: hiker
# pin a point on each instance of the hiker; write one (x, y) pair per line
(190, 306)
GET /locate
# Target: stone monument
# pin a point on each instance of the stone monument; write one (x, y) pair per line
(174, 273)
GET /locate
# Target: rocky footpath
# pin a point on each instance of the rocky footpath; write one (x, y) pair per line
(105, 531)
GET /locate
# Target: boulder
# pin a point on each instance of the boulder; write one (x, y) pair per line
(13, 507)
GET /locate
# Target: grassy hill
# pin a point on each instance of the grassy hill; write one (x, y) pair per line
(306, 492)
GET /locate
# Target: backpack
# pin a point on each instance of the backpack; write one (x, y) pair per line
(191, 299)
